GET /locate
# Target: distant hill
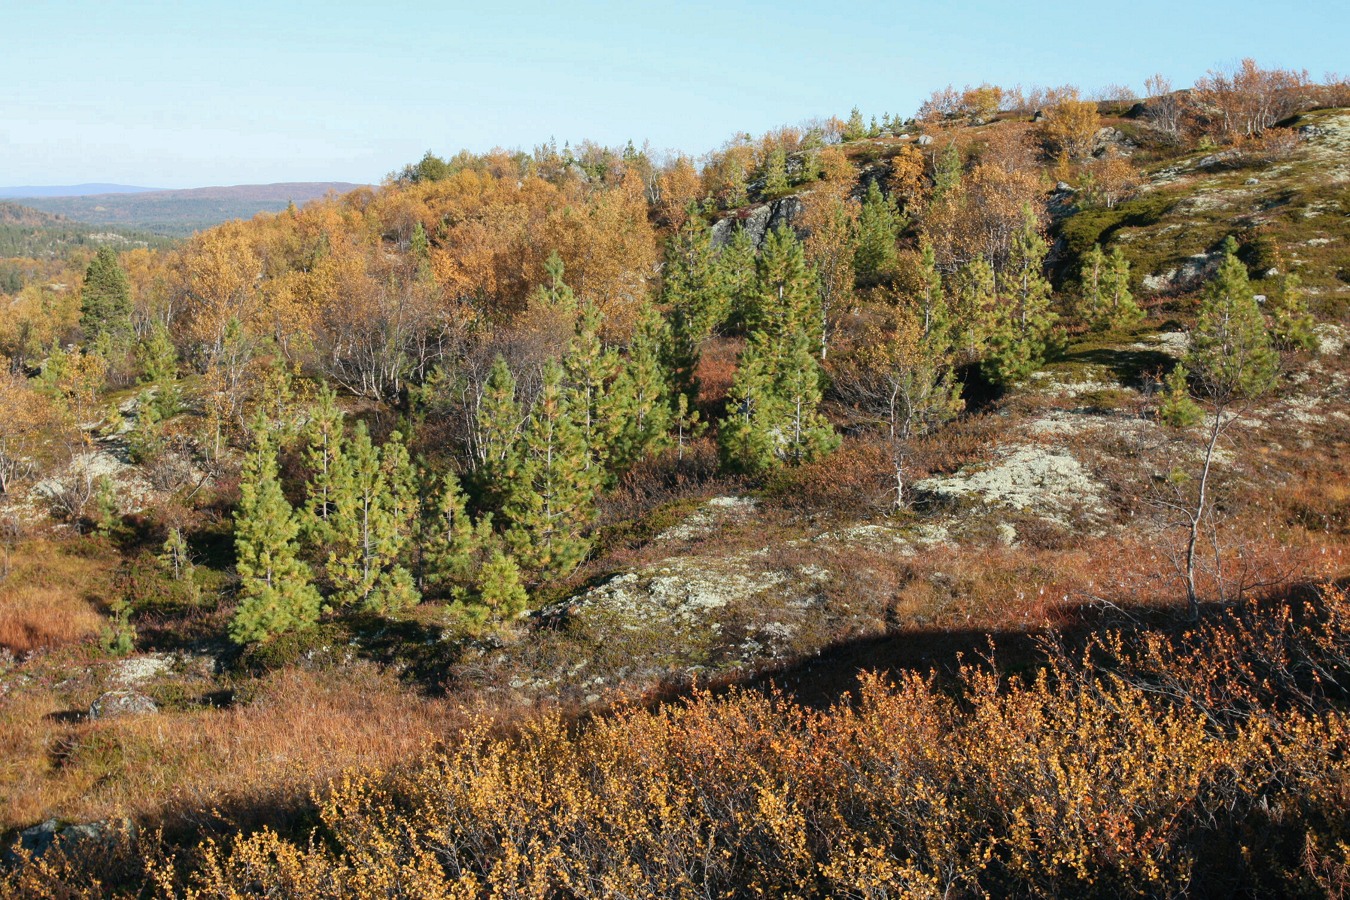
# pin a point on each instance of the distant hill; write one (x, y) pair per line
(181, 212)
(70, 190)
(31, 233)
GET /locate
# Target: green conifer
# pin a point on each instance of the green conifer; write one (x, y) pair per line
(590, 368)
(785, 297)
(552, 493)
(157, 359)
(451, 540)
(947, 172)
(933, 309)
(1230, 356)
(1177, 409)
(747, 437)
(737, 273)
(1106, 299)
(804, 434)
(323, 437)
(496, 436)
(640, 404)
(879, 226)
(775, 172)
(1023, 323)
(275, 585)
(500, 592)
(369, 525)
(105, 300)
(976, 300)
(1292, 326)
(692, 281)
(555, 294)
(854, 129)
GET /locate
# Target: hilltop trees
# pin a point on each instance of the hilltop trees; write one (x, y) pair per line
(1070, 127)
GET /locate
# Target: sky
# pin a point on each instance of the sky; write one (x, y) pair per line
(190, 94)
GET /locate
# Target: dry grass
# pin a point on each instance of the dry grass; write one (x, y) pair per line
(51, 596)
(298, 729)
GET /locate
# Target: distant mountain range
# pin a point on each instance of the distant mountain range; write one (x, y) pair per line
(175, 212)
(69, 190)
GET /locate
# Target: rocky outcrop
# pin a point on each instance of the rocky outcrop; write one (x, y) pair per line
(758, 221)
(40, 839)
(1050, 482)
(121, 703)
(1189, 275)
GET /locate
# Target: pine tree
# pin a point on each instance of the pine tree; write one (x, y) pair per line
(879, 226)
(496, 436)
(947, 172)
(747, 437)
(105, 301)
(1177, 409)
(552, 494)
(274, 584)
(687, 423)
(737, 272)
(370, 525)
(157, 359)
(1232, 364)
(640, 404)
(1107, 302)
(775, 172)
(976, 300)
(1023, 323)
(145, 442)
(774, 400)
(590, 368)
(773, 406)
(419, 248)
(693, 283)
(1230, 355)
(1122, 311)
(174, 554)
(556, 294)
(933, 309)
(323, 435)
(1292, 326)
(1092, 308)
(854, 129)
(785, 297)
(500, 592)
(451, 541)
(806, 435)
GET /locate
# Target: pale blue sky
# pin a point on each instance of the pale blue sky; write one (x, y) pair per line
(182, 94)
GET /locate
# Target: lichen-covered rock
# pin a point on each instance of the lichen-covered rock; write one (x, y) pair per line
(40, 839)
(121, 703)
(1049, 482)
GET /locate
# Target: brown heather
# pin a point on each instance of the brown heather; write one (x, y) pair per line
(1212, 762)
